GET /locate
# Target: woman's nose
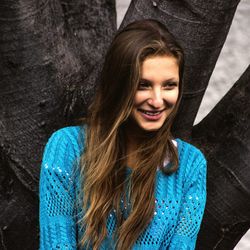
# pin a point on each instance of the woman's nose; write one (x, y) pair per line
(156, 98)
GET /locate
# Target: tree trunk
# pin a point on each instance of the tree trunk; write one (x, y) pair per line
(50, 54)
(224, 136)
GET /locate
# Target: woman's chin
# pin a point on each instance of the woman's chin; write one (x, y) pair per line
(150, 127)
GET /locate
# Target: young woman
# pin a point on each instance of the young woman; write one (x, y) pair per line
(120, 181)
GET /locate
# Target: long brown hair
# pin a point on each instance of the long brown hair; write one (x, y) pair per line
(103, 164)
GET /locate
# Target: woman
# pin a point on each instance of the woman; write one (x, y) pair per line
(120, 181)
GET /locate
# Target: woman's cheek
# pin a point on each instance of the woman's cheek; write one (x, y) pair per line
(140, 97)
(171, 97)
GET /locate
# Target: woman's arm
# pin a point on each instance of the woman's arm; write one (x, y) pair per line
(57, 194)
(192, 209)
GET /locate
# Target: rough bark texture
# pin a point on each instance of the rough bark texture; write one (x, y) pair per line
(50, 56)
(224, 136)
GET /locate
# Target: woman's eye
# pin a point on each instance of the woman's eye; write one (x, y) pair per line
(143, 86)
(170, 85)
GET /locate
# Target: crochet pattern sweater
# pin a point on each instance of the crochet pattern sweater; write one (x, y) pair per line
(179, 198)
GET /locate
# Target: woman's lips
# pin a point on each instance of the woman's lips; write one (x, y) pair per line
(150, 114)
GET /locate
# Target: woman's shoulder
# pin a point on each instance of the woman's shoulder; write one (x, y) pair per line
(71, 132)
(191, 159)
(64, 147)
(187, 150)
(71, 137)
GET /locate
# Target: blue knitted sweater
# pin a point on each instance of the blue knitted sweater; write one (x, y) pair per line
(179, 198)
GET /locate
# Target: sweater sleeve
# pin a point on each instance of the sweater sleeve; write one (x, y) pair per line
(192, 209)
(57, 194)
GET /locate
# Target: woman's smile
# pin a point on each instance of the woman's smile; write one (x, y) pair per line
(151, 115)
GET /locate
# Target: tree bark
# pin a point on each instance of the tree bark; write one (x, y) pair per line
(224, 136)
(50, 55)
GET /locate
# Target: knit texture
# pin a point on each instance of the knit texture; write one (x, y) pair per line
(179, 198)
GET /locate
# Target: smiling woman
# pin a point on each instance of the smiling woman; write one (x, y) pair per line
(121, 181)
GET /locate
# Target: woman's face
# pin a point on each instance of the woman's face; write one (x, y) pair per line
(157, 92)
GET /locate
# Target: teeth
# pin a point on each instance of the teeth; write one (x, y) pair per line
(151, 112)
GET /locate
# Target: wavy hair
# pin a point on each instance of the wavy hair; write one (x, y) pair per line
(103, 163)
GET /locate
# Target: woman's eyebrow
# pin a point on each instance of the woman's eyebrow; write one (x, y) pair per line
(165, 81)
(145, 80)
